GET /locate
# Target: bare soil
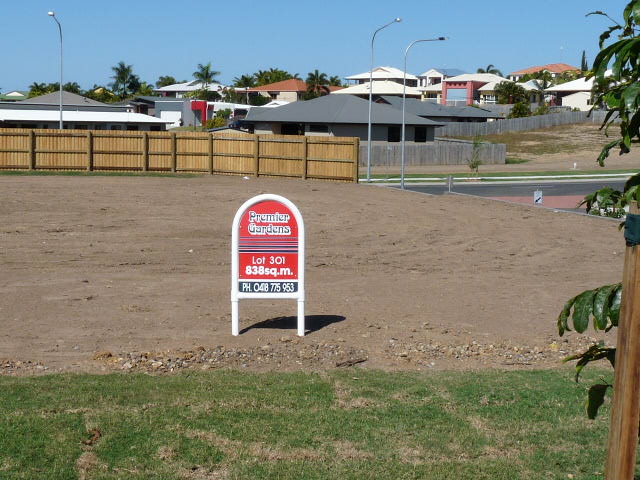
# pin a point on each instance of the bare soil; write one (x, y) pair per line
(133, 273)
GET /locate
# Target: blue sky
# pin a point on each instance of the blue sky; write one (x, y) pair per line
(171, 37)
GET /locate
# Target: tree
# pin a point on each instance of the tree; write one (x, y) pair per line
(519, 110)
(273, 75)
(619, 92)
(37, 89)
(542, 80)
(165, 80)
(584, 66)
(125, 82)
(510, 92)
(72, 87)
(335, 81)
(245, 81)
(205, 75)
(100, 93)
(316, 84)
(490, 69)
(145, 89)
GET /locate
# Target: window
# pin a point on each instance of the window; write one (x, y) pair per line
(393, 134)
(292, 129)
(154, 128)
(132, 127)
(319, 128)
(420, 134)
(80, 127)
(116, 127)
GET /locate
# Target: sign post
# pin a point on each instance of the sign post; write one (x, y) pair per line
(267, 254)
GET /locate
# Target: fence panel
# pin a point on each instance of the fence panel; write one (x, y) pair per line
(471, 129)
(443, 151)
(332, 158)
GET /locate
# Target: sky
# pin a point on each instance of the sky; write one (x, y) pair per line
(172, 38)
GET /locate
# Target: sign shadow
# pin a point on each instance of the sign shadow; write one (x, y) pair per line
(313, 323)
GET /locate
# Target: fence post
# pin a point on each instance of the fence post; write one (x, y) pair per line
(32, 150)
(145, 151)
(356, 159)
(625, 406)
(174, 152)
(210, 153)
(305, 153)
(89, 151)
(256, 155)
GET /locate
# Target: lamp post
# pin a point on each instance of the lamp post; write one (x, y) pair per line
(395, 20)
(404, 99)
(53, 15)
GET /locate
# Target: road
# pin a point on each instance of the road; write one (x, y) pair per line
(564, 195)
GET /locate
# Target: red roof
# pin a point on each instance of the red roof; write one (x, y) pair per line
(291, 85)
(551, 67)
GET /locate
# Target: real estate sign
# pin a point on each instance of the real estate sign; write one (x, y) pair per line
(267, 254)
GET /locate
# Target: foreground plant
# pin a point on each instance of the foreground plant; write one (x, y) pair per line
(616, 73)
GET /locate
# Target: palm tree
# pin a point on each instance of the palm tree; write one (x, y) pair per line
(490, 69)
(316, 84)
(36, 89)
(542, 80)
(205, 75)
(335, 81)
(244, 81)
(510, 92)
(72, 87)
(125, 81)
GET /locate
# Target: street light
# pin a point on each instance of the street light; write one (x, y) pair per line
(53, 15)
(395, 20)
(404, 90)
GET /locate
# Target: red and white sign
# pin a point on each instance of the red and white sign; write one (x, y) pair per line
(267, 254)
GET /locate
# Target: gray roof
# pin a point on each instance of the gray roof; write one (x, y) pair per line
(432, 109)
(450, 72)
(67, 99)
(335, 109)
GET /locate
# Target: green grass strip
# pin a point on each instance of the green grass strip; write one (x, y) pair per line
(347, 424)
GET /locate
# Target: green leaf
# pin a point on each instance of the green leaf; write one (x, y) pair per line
(630, 96)
(595, 399)
(614, 307)
(582, 310)
(564, 317)
(601, 301)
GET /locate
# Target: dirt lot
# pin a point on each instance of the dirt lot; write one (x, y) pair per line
(133, 273)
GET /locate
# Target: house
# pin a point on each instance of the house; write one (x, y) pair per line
(70, 101)
(555, 69)
(178, 90)
(291, 90)
(574, 94)
(79, 113)
(384, 73)
(380, 87)
(340, 116)
(465, 89)
(440, 113)
(488, 96)
(433, 78)
(14, 96)
(80, 120)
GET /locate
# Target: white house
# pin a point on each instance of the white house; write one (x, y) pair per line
(390, 74)
(178, 90)
(381, 87)
(574, 94)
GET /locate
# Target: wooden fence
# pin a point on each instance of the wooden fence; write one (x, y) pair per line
(443, 151)
(328, 158)
(471, 129)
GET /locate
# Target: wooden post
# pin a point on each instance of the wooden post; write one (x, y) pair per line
(256, 155)
(145, 152)
(356, 159)
(625, 406)
(305, 153)
(174, 152)
(32, 150)
(89, 151)
(210, 153)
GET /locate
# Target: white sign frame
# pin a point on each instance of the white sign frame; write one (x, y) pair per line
(236, 295)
